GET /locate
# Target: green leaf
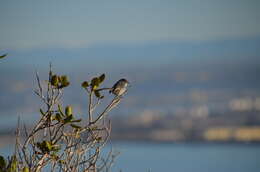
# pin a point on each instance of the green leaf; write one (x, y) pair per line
(102, 78)
(78, 120)
(2, 56)
(61, 161)
(95, 83)
(99, 139)
(68, 110)
(58, 117)
(85, 84)
(75, 126)
(64, 81)
(48, 145)
(68, 119)
(13, 167)
(65, 84)
(55, 148)
(98, 95)
(2, 162)
(45, 146)
(54, 80)
(25, 169)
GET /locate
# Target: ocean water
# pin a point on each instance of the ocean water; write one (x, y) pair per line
(146, 157)
(150, 157)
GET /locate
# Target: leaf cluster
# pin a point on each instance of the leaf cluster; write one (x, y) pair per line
(59, 81)
(10, 164)
(47, 147)
(94, 85)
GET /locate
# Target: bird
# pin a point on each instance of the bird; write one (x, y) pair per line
(120, 87)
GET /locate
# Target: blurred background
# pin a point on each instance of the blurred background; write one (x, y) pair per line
(194, 67)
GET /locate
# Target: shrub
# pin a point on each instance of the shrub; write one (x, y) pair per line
(59, 141)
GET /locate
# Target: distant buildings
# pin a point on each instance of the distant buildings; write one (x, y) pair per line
(240, 134)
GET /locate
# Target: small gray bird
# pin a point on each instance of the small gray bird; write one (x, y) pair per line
(120, 87)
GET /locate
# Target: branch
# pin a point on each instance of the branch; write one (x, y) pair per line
(113, 103)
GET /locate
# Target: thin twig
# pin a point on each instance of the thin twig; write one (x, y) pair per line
(90, 107)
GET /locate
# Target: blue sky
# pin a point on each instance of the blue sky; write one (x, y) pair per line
(76, 24)
(151, 43)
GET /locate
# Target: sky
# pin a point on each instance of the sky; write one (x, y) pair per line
(166, 49)
(30, 24)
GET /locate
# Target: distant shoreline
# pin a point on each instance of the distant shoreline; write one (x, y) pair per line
(10, 140)
(184, 142)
